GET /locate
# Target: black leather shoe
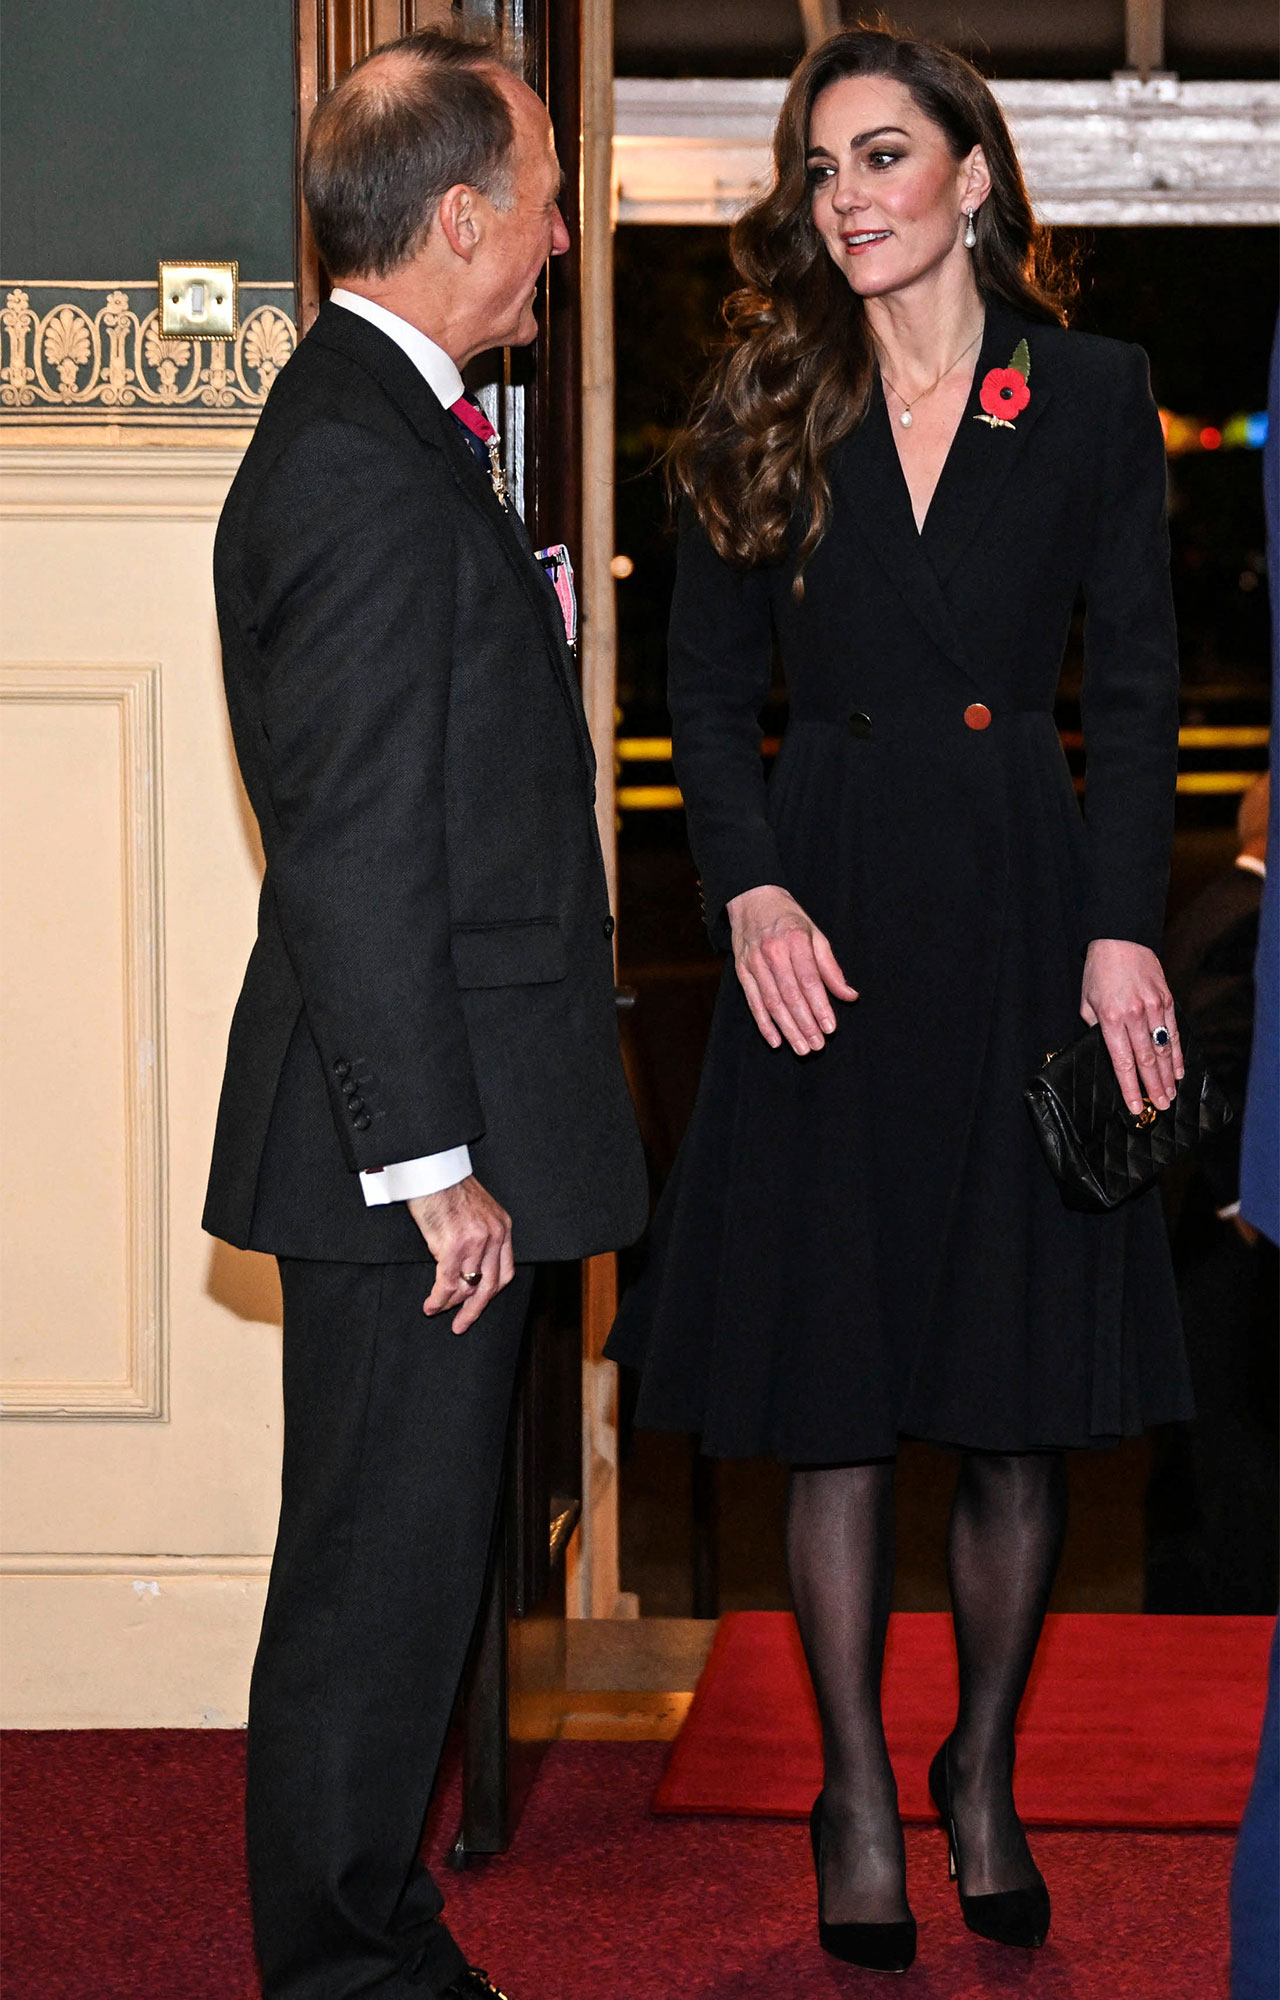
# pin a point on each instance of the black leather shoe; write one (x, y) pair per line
(473, 1984)
(875, 1947)
(1009, 1916)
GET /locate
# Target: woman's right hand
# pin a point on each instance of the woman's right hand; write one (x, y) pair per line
(787, 969)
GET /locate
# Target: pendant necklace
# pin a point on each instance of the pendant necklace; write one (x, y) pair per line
(906, 419)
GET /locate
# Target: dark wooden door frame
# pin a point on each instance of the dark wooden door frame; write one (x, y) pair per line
(543, 37)
(330, 37)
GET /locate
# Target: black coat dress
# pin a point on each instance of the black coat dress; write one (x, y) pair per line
(865, 1242)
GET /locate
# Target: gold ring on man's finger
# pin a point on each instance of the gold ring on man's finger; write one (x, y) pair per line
(472, 1277)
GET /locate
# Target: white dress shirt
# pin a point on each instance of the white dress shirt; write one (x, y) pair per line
(405, 1180)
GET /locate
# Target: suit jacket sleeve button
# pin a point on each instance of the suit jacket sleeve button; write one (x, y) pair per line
(859, 724)
(363, 1122)
(608, 927)
(341, 1068)
(355, 1105)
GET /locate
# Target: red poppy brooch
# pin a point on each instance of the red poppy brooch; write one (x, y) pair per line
(1004, 394)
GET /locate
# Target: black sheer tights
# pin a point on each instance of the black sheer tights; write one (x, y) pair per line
(840, 1563)
(1008, 1520)
(1005, 1537)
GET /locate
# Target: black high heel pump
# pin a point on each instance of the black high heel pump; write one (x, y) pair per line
(1010, 1916)
(875, 1947)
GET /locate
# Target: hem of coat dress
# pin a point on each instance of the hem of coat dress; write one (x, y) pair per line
(863, 1450)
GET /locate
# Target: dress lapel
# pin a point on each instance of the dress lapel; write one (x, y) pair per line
(981, 458)
(867, 470)
(867, 473)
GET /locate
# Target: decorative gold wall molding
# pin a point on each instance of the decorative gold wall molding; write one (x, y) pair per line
(135, 692)
(77, 353)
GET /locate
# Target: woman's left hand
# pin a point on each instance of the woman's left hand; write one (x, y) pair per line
(1126, 991)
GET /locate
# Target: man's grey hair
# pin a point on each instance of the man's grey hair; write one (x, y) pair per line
(415, 118)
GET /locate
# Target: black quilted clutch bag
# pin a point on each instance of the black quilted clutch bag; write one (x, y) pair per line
(1098, 1151)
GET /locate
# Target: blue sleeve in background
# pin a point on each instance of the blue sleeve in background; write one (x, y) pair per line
(1260, 1158)
(1255, 1876)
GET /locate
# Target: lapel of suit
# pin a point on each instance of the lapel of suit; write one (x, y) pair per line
(474, 481)
(982, 457)
(379, 356)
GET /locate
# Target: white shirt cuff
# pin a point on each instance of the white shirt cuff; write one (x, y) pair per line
(1225, 1214)
(408, 1179)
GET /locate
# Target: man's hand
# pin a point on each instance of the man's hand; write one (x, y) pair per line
(465, 1230)
(1125, 989)
(786, 968)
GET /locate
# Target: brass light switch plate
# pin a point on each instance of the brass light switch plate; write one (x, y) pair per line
(199, 299)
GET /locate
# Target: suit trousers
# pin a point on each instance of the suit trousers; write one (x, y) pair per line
(394, 1432)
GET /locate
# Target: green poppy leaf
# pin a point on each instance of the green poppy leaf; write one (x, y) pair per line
(1022, 360)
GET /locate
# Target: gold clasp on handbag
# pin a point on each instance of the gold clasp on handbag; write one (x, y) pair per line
(1147, 1115)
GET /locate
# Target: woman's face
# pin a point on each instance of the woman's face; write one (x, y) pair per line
(888, 193)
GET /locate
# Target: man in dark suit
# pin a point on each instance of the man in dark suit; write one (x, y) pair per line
(423, 1095)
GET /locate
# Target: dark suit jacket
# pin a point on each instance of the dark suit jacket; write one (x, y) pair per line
(433, 965)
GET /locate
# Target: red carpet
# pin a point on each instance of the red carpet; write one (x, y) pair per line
(123, 1880)
(1129, 1721)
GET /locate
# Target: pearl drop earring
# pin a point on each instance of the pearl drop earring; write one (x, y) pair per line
(970, 234)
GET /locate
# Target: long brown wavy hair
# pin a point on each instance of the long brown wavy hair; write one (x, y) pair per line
(797, 372)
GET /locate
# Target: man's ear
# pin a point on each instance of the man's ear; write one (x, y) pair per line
(978, 181)
(458, 217)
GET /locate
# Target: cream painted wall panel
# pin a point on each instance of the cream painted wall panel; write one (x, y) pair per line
(81, 876)
(149, 1652)
(65, 1019)
(105, 556)
(210, 1482)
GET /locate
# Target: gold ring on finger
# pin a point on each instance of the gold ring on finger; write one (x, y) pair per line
(472, 1277)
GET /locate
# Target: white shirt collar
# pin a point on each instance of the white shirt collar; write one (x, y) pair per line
(435, 367)
(1253, 864)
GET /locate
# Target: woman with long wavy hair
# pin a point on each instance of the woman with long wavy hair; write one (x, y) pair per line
(898, 478)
